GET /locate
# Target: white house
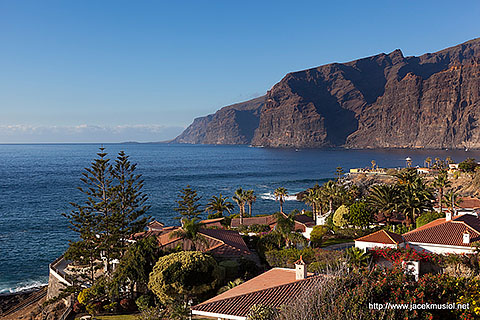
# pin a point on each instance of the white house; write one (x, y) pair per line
(444, 235)
(380, 239)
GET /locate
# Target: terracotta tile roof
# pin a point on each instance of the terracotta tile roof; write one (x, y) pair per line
(382, 236)
(225, 243)
(469, 203)
(231, 245)
(274, 296)
(155, 225)
(213, 222)
(271, 278)
(268, 220)
(447, 232)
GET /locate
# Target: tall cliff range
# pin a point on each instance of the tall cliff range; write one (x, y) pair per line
(383, 101)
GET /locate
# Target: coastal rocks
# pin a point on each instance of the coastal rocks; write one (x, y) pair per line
(383, 101)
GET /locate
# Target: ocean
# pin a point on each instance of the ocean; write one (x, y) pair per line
(37, 183)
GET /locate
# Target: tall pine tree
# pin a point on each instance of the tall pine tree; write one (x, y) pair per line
(114, 208)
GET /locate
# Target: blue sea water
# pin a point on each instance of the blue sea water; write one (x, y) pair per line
(37, 183)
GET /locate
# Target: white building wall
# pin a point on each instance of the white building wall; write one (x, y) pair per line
(370, 245)
(308, 231)
(437, 248)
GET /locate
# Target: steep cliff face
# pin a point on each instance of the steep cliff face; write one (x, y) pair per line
(384, 101)
(233, 124)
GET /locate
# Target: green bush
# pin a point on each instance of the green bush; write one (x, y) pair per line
(468, 165)
(181, 274)
(428, 217)
(359, 214)
(144, 302)
(286, 258)
(340, 217)
(257, 228)
(317, 235)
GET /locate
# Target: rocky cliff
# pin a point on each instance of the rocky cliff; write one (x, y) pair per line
(233, 124)
(383, 101)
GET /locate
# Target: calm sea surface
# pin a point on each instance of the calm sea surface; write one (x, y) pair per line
(37, 182)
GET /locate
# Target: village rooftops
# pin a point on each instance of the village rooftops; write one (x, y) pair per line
(382, 236)
(273, 288)
(219, 242)
(449, 233)
(302, 221)
(155, 226)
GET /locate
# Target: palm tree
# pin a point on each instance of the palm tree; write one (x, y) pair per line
(451, 199)
(280, 193)
(190, 230)
(311, 199)
(250, 198)
(286, 228)
(330, 192)
(407, 176)
(428, 161)
(440, 183)
(239, 198)
(414, 199)
(384, 199)
(218, 204)
(357, 257)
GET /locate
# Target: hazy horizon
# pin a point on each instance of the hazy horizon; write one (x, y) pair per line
(115, 71)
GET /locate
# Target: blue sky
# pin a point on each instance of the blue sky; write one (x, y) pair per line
(142, 70)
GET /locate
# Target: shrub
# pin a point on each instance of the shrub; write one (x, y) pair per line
(317, 234)
(261, 312)
(468, 165)
(181, 274)
(144, 302)
(286, 258)
(340, 217)
(257, 228)
(428, 217)
(359, 214)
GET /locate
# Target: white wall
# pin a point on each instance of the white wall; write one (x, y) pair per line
(369, 245)
(436, 248)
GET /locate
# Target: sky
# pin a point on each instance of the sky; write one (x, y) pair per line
(112, 71)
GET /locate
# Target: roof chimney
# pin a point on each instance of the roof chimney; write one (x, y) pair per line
(448, 215)
(300, 269)
(466, 237)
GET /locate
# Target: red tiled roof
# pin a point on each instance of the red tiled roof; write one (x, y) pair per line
(447, 232)
(382, 236)
(213, 222)
(268, 220)
(226, 243)
(276, 296)
(469, 203)
(271, 278)
(155, 225)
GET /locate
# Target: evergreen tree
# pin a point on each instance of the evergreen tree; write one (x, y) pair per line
(129, 200)
(188, 206)
(113, 209)
(92, 219)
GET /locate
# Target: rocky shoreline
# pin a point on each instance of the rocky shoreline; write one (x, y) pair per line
(8, 300)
